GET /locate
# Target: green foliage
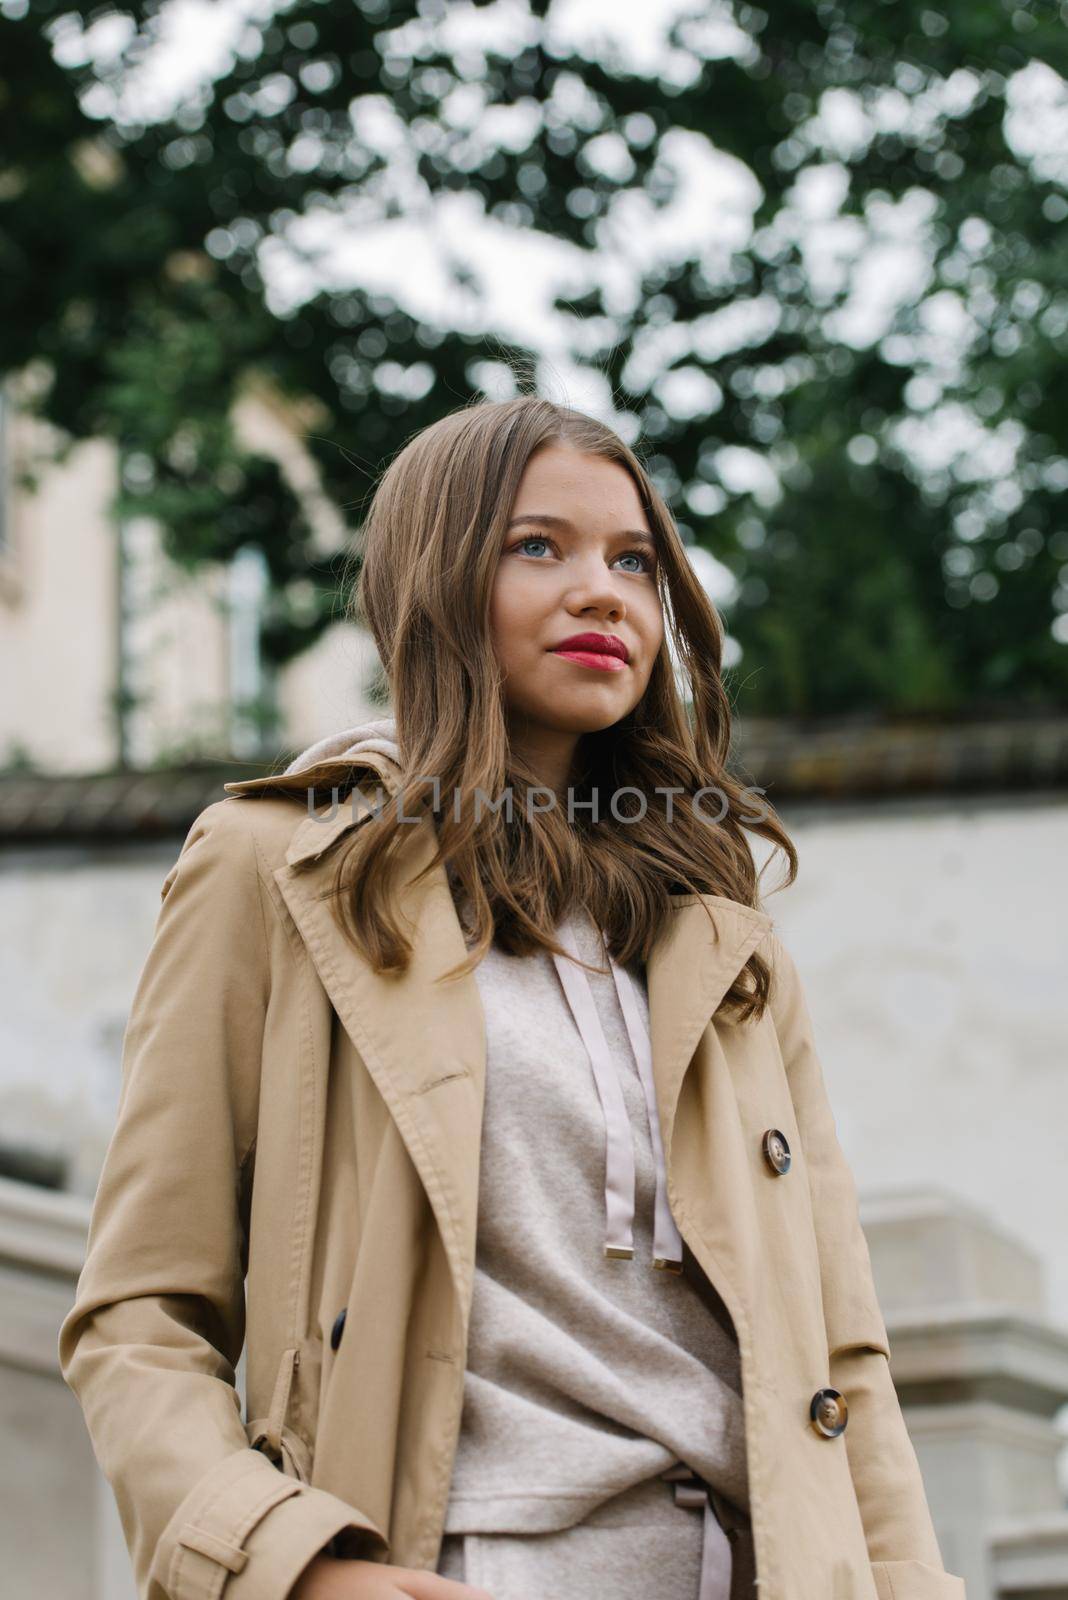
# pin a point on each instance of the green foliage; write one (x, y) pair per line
(878, 563)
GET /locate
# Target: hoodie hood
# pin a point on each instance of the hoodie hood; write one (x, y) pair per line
(372, 743)
(379, 736)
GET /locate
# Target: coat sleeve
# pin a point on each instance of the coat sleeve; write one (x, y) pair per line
(151, 1343)
(906, 1561)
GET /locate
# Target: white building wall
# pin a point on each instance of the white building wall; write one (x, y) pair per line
(933, 942)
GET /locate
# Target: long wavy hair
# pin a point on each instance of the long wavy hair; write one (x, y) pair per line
(430, 546)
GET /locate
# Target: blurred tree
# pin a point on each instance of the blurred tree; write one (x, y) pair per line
(820, 267)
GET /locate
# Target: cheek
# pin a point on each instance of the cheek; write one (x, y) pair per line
(510, 620)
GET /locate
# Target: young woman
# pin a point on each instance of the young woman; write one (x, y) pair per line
(464, 1050)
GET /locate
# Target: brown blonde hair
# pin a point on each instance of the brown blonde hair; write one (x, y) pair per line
(430, 547)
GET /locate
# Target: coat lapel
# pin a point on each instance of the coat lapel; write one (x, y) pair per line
(424, 1042)
(691, 966)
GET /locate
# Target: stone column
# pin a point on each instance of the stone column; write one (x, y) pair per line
(59, 1526)
(982, 1375)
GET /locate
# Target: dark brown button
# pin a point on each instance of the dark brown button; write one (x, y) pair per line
(828, 1413)
(338, 1329)
(776, 1151)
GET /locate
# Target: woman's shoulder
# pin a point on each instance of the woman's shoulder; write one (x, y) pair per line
(788, 1003)
(785, 976)
(236, 836)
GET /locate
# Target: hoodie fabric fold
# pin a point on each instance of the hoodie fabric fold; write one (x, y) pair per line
(377, 735)
(588, 1372)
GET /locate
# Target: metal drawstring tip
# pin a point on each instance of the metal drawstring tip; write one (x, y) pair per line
(665, 1265)
(619, 1252)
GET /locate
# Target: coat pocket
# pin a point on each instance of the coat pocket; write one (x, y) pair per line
(273, 1434)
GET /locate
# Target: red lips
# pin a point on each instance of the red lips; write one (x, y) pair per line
(606, 644)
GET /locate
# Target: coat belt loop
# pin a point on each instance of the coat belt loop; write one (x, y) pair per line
(276, 1415)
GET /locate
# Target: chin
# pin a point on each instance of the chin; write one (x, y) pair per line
(580, 720)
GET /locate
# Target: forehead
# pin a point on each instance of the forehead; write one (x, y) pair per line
(571, 486)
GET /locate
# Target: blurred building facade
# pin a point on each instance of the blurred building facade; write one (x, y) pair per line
(111, 653)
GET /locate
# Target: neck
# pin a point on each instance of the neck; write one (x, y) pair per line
(549, 753)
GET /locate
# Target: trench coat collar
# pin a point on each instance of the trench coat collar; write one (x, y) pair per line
(423, 1042)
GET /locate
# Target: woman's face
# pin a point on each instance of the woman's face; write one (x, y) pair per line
(578, 558)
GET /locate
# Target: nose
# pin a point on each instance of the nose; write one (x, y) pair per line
(596, 587)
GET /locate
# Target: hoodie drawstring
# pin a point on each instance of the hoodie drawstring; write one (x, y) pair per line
(619, 1148)
(718, 1531)
(717, 1558)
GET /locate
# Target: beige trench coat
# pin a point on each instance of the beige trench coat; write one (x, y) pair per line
(297, 1136)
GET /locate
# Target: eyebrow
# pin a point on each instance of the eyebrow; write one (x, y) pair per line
(544, 519)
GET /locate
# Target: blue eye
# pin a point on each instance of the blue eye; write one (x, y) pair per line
(648, 562)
